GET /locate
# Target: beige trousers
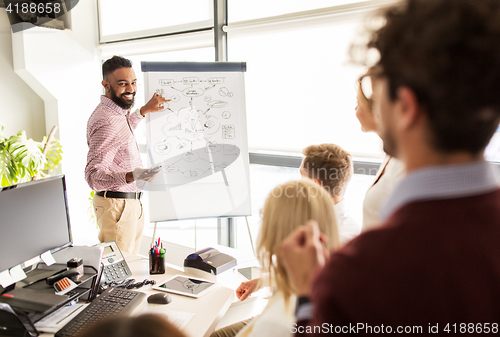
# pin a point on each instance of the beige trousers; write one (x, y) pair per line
(120, 220)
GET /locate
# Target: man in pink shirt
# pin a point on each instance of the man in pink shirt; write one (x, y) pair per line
(113, 161)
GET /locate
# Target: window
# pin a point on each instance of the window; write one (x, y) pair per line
(129, 19)
(249, 10)
(300, 84)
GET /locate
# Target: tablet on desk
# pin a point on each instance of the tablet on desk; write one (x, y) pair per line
(187, 286)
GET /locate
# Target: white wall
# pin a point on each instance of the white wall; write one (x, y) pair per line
(20, 107)
(63, 68)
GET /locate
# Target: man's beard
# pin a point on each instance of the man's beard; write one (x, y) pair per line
(120, 101)
(389, 143)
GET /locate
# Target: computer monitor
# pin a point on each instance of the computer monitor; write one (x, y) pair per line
(34, 218)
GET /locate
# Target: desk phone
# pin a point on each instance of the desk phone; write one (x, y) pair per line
(115, 267)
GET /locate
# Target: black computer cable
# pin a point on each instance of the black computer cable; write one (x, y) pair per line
(141, 284)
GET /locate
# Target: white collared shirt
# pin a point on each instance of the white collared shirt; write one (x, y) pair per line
(347, 226)
(441, 182)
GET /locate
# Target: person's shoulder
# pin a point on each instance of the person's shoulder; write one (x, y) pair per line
(103, 116)
(395, 168)
(103, 111)
(348, 227)
(364, 253)
(367, 242)
(410, 239)
(353, 271)
(409, 226)
(98, 119)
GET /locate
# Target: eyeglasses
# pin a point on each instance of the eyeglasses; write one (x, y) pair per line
(366, 86)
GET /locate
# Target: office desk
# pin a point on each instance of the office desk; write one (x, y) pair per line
(208, 309)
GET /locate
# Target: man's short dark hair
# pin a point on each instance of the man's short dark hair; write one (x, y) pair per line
(448, 52)
(116, 62)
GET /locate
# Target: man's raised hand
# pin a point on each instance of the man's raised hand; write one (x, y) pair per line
(156, 103)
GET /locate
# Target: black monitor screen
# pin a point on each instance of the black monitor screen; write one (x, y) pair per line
(34, 218)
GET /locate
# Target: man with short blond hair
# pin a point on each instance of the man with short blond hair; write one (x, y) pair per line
(331, 166)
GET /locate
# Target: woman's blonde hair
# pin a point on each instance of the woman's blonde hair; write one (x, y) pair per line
(287, 207)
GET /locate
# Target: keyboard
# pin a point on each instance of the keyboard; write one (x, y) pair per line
(111, 302)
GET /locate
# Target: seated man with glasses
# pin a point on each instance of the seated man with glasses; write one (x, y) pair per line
(331, 166)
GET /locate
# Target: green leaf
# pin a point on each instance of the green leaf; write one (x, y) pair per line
(22, 159)
(54, 153)
(8, 167)
(28, 154)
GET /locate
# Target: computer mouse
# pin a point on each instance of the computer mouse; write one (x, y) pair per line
(160, 298)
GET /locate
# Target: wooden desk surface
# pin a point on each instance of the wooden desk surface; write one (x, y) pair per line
(208, 309)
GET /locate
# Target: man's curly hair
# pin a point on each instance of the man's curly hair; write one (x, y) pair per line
(448, 52)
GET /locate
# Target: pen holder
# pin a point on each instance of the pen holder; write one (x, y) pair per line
(156, 263)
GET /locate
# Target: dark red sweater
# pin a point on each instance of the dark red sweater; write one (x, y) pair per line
(433, 262)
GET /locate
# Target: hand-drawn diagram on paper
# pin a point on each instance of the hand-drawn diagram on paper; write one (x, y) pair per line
(200, 140)
(197, 117)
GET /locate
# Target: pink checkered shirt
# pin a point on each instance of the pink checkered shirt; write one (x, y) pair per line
(113, 150)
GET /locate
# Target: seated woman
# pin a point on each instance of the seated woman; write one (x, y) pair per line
(288, 206)
(150, 325)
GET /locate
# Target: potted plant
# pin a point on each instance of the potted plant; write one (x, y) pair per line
(23, 159)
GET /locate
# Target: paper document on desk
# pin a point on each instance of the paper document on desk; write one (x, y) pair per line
(178, 318)
(55, 321)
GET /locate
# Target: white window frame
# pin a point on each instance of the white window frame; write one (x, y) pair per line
(311, 15)
(203, 39)
(147, 33)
